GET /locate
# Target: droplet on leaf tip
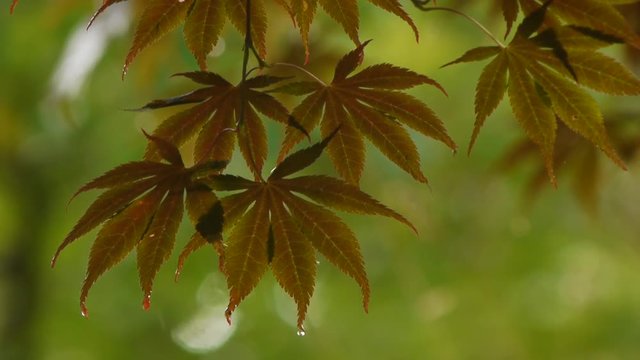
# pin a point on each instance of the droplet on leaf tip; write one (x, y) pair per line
(227, 314)
(301, 332)
(146, 303)
(83, 311)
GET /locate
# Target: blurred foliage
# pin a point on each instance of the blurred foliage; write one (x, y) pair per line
(486, 278)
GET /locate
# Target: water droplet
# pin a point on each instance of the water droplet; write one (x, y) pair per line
(227, 314)
(301, 332)
(83, 311)
(146, 303)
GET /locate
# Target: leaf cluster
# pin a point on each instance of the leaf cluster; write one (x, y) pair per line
(204, 21)
(546, 69)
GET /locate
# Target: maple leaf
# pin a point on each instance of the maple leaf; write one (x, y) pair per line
(271, 225)
(223, 112)
(204, 21)
(598, 15)
(345, 12)
(101, 9)
(368, 104)
(575, 156)
(543, 76)
(140, 209)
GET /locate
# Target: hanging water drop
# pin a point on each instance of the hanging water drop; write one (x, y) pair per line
(84, 311)
(301, 332)
(227, 314)
(146, 303)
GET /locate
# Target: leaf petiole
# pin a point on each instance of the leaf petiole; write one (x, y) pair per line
(468, 17)
(301, 69)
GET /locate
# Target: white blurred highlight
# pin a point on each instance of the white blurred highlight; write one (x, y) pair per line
(85, 48)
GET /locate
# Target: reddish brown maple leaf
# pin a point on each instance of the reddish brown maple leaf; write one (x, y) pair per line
(140, 209)
(271, 226)
(368, 104)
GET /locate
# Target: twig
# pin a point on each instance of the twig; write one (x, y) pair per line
(301, 69)
(422, 6)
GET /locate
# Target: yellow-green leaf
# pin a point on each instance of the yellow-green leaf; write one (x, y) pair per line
(603, 73)
(490, 90)
(576, 109)
(537, 119)
(597, 15)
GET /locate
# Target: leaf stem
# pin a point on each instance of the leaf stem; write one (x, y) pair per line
(248, 48)
(301, 69)
(468, 17)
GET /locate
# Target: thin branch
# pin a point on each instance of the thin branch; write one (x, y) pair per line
(248, 48)
(301, 69)
(460, 13)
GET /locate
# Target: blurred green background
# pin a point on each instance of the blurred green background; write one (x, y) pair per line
(491, 276)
